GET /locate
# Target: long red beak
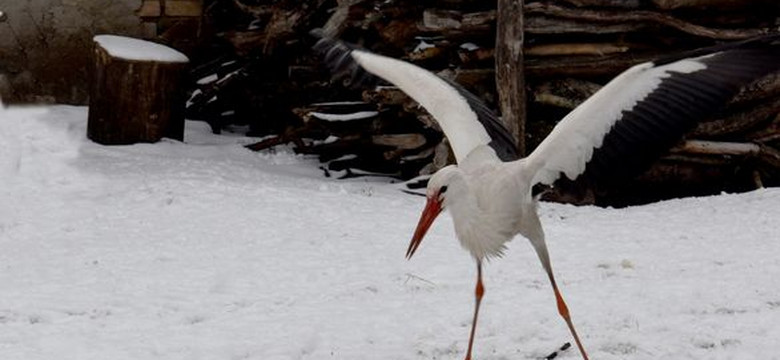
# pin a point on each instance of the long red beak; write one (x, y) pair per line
(432, 209)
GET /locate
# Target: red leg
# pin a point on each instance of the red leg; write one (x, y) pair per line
(564, 311)
(478, 293)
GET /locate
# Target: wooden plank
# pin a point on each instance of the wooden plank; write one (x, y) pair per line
(400, 141)
(149, 8)
(184, 8)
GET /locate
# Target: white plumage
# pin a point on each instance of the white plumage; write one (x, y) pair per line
(435, 95)
(571, 143)
(622, 127)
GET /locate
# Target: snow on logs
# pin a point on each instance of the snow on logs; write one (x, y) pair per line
(571, 48)
(355, 138)
(136, 93)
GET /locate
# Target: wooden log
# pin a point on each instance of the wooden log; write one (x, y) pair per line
(475, 56)
(510, 78)
(566, 93)
(542, 24)
(244, 42)
(399, 32)
(583, 65)
(385, 95)
(765, 89)
(474, 78)
(183, 8)
(149, 9)
(739, 122)
(281, 23)
(770, 156)
(599, 49)
(606, 16)
(716, 148)
(478, 19)
(136, 93)
(338, 21)
(455, 24)
(287, 17)
(437, 19)
(257, 11)
(400, 141)
(345, 125)
(679, 4)
(726, 151)
(625, 4)
(452, 20)
(393, 96)
(427, 54)
(768, 134)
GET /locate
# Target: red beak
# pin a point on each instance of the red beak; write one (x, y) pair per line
(432, 209)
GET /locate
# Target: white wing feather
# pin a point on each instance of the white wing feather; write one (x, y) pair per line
(451, 110)
(570, 145)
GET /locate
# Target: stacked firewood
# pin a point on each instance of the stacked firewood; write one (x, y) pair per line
(571, 48)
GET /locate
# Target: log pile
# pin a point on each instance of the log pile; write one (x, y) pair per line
(571, 48)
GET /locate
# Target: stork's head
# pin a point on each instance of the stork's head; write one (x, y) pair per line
(445, 187)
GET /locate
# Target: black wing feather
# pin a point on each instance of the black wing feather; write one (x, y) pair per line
(336, 56)
(660, 120)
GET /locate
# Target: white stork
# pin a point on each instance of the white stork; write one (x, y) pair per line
(615, 133)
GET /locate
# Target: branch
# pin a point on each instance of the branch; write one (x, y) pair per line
(717, 148)
(256, 11)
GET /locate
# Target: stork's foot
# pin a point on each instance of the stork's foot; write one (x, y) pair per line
(560, 350)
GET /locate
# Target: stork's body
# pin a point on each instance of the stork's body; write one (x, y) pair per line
(612, 135)
(492, 208)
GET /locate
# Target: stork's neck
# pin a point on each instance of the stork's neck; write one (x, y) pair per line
(464, 208)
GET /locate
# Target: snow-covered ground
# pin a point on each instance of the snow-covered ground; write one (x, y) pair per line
(204, 250)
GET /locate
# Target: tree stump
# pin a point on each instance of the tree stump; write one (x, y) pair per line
(136, 93)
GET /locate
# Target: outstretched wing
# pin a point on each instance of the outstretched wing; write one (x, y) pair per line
(465, 120)
(644, 111)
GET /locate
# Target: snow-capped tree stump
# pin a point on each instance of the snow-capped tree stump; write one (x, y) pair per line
(136, 93)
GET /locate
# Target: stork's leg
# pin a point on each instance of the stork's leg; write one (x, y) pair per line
(537, 240)
(478, 292)
(564, 311)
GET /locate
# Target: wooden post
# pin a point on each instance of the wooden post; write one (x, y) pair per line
(136, 93)
(510, 80)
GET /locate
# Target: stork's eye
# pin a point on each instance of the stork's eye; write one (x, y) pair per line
(443, 189)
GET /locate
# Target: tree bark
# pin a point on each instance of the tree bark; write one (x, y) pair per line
(510, 79)
(135, 100)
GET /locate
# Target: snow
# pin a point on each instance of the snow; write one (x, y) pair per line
(207, 79)
(138, 50)
(205, 250)
(469, 46)
(423, 45)
(359, 115)
(195, 93)
(338, 103)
